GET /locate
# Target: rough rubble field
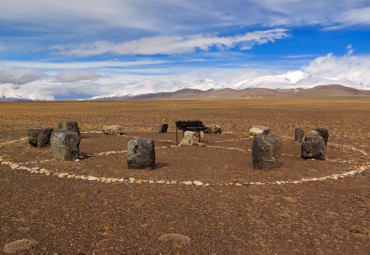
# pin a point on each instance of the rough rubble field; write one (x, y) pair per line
(198, 199)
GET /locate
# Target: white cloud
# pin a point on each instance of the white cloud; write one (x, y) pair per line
(19, 77)
(178, 44)
(76, 76)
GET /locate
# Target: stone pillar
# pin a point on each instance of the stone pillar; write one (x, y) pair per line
(161, 128)
(313, 147)
(39, 137)
(69, 125)
(323, 132)
(140, 153)
(65, 145)
(266, 152)
(299, 134)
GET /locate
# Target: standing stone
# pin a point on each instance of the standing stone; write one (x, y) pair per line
(323, 132)
(190, 138)
(266, 152)
(259, 130)
(299, 134)
(39, 137)
(140, 153)
(65, 145)
(69, 125)
(161, 128)
(313, 147)
(213, 129)
(113, 130)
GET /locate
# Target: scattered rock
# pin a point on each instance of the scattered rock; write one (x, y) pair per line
(187, 183)
(313, 147)
(140, 153)
(21, 245)
(299, 134)
(198, 183)
(213, 129)
(323, 132)
(161, 128)
(70, 125)
(39, 137)
(65, 145)
(259, 130)
(266, 152)
(190, 138)
(113, 130)
(176, 240)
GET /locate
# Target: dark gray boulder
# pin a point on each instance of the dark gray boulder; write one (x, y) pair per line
(298, 135)
(161, 128)
(69, 125)
(266, 152)
(65, 145)
(39, 137)
(313, 147)
(140, 153)
(323, 132)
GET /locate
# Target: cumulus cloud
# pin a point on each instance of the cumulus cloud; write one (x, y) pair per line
(19, 77)
(178, 44)
(76, 76)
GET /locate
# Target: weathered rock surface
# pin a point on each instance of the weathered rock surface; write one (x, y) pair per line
(140, 153)
(298, 135)
(259, 130)
(175, 240)
(213, 129)
(313, 147)
(69, 125)
(113, 129)
(19, 246)
(190, 138)
(161, 128)
(65, 145)
(266, 152)
(39, 137)
(323, 132)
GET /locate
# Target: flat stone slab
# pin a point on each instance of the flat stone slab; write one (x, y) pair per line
(266, 152)
(65, 145)
(140, 153)
(259, 130)
(313, 147)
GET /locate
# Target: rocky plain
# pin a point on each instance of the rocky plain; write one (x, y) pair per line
(206, 198)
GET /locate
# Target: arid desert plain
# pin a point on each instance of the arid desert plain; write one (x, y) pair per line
(197, 199)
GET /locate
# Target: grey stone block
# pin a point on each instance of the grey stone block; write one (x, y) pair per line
(39, 137)
(298, 135)
(266, 152)
(65, 145)
(161, 128)
(323, 132)
(313, 147)
(69, 125)
(140, 153)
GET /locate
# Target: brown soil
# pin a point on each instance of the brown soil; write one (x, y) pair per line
(71, 216)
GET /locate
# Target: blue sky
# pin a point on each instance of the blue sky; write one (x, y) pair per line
(79, 48)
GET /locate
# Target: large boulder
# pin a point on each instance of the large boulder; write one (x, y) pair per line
(313, 147)
(39, 137)
(259, 130)
(266, 152)
(213, 129)
(69, 125)
(190, 138)
(113, 129)
(140, 153)
(323, 132)
(65, 145)
(161, 128)
(298, 135)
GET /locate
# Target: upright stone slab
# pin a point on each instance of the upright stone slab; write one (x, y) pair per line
(266, 152)
(190, 138)
(140, 153)
(323, 132)
(65, 145)
(69, 125)
(299, 134)
(259, 130)
(113, 130)
(313, 147)
(161, 128)
(39, 137)
(213, 129)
